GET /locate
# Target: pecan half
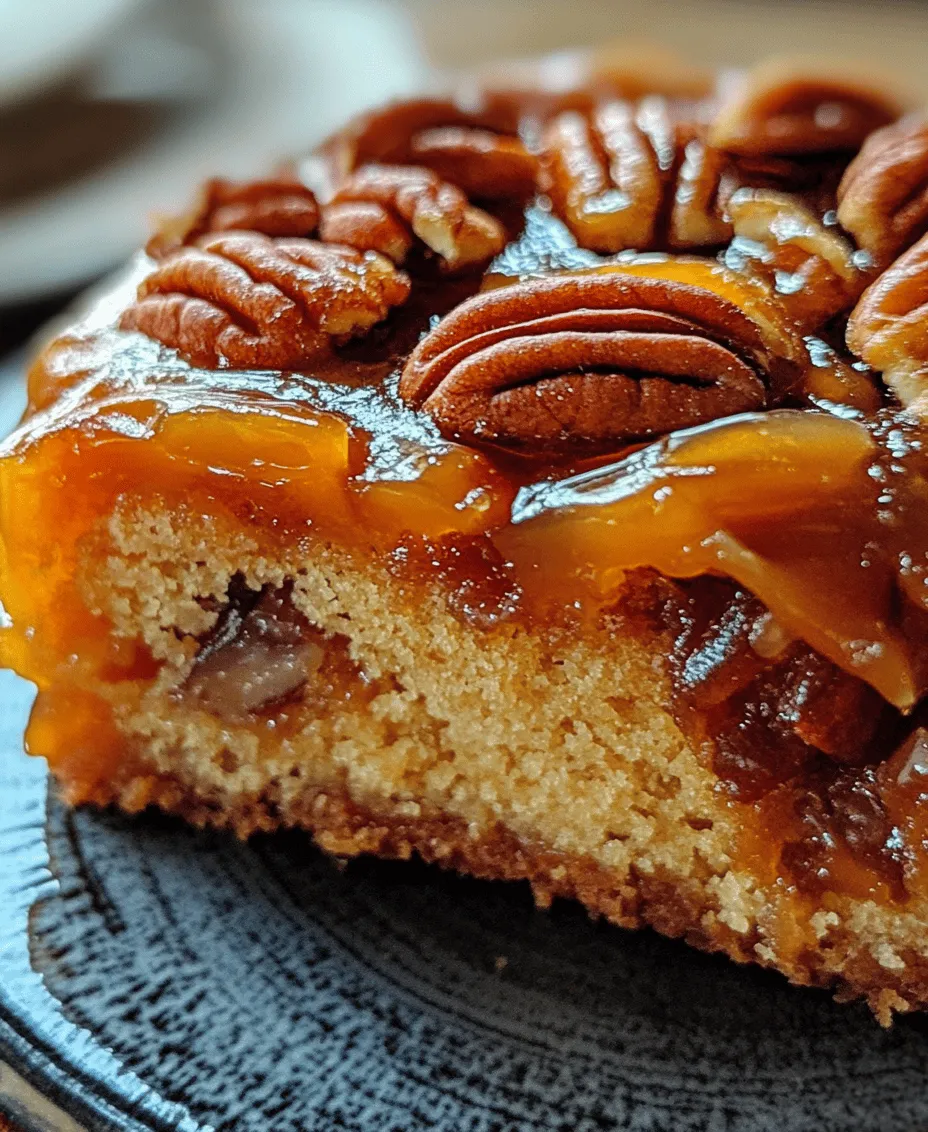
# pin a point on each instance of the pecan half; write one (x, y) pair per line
(478, 149)
(883, 196)
(384, 136)
(888, 328)
(381, 208)
(813, 269)
(482, 163)
(795, 105)
(614, 175)
(245, 300)
(278, 207)
(577, 364)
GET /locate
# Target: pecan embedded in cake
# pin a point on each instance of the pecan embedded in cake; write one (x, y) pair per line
(535, 481)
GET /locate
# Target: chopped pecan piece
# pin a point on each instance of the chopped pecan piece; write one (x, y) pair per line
(278, 207)
(576, 364)
(381, 208)
(813, 269)
(261, 655)
(888, 328)
(614, 175)
(789, 106)
(883, 196)
(245, 300)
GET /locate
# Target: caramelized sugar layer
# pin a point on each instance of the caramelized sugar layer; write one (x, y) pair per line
(816, 515)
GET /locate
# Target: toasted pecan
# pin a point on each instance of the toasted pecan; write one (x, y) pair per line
(578, 364)
(813, 268)
(883, 196)
(243, 300)
(476, 148)
(795, 105)
(279, 206)
(482, 163)
(614, 175)
(888, 328)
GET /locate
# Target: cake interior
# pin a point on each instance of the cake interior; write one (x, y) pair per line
(539, 756)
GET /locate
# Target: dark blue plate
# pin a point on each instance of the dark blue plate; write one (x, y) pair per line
(153, 977)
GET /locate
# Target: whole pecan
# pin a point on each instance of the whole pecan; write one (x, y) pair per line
(888, 328)
(813, 269)
(476, 148)
(382, 207)
(793, 105)
(883, 196)
(244, 300)
(614, 176)
(281, 206)
(577, 364)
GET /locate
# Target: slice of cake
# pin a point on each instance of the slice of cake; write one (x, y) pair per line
(536, 482)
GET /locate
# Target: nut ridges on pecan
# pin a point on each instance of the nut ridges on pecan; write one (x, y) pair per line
(381, 207)
(821, 374)
(888, 328)
(813, 269)
(244, 300)
(813, 178)
(792, 105)
(280, 206)
(883, 196)
(697, 219)
(586, 363)
(603, 178)
(630, 176)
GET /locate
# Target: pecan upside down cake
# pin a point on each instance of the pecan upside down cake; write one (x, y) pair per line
(534, 480)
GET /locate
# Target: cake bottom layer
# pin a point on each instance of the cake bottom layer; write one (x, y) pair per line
(313, 688)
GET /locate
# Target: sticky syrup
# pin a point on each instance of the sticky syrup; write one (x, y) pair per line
(785, 552)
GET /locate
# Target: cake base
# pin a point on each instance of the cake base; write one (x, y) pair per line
(547, 755)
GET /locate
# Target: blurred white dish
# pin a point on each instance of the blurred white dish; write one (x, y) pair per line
(12, 392)
(42, 39)
(286, 73)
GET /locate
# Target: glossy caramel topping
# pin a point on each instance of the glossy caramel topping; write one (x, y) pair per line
(785, 503)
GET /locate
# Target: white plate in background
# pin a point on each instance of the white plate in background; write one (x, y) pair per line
(286, 72)
(42, 39)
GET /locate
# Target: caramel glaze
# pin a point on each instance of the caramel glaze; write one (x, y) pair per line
(794, 628)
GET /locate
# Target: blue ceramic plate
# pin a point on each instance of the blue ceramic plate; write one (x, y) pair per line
(153, 977)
